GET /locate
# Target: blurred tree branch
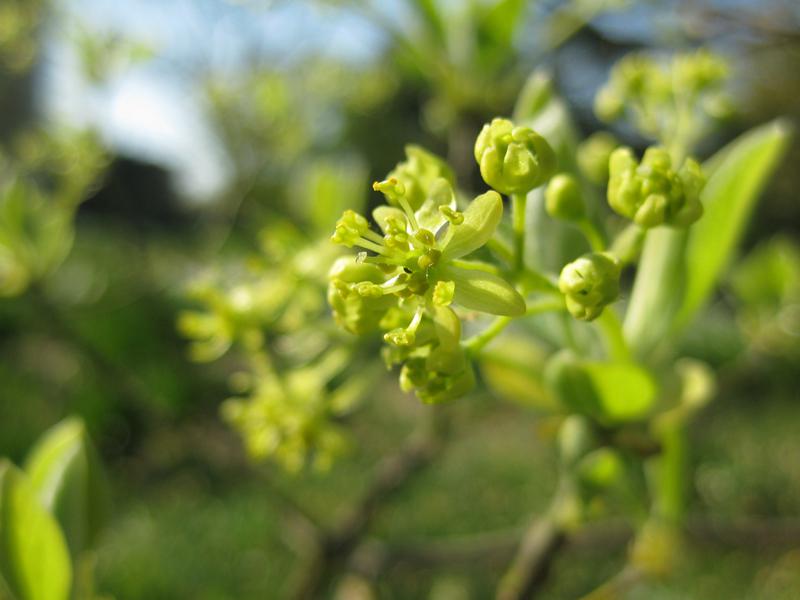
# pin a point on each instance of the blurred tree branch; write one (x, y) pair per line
(376, 557)
(336, 547)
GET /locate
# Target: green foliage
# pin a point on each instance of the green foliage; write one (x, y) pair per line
(34, 558)
(737, 179)
(65, 471)
(610, 392)
(767, 284)
(42, 181)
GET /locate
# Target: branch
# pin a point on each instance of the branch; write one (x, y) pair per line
(529, 568)
(392, 473)
(375, 557)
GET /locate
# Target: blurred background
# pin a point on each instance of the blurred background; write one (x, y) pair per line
(218, 139)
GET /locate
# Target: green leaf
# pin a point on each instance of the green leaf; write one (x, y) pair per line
(326, 188)
(430, 16)
(729, 198)
(34, 560)
(66, 474)
(513, 370)
(625, 390)
(610, 392)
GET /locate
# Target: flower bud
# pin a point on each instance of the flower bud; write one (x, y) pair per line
(589, 284)
(563, 198)
(513, 160)
(652, 193)
(351, 295)
(349, 228)
(608, 104)
(433, 387)
(417, 174)
(698, 71)
(593, 155)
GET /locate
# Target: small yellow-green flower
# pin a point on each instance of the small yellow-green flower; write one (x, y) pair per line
(417, 173)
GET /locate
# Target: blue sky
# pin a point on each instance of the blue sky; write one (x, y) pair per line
(151, 110)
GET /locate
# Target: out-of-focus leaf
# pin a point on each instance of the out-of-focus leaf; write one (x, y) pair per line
(496, 26)
(34, 559)
(626, 391)
(325, 189)
(769, 275)
(513, 369)
(728, 199)
(430, 16)
(610, 392)
(66, 474)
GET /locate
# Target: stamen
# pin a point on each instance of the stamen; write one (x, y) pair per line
(374, 236)
(412, 219)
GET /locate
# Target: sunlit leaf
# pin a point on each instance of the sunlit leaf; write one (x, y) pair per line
(34, 559)
(607, 391)
(512, 367)
(729, 198)
(66, 474)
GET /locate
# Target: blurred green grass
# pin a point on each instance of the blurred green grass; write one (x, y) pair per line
(187, 537)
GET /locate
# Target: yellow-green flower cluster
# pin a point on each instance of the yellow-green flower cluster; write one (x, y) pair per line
(411, 270)
(291, 415)
(662, 97)
(651, 193)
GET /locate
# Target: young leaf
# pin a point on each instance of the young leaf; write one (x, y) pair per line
(611, 392)
(66, 474)
(34, 560)
(728, 198)
(513, 370)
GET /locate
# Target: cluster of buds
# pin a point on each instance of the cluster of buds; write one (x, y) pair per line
(653, 91)
(407, 276)
(651, 193)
